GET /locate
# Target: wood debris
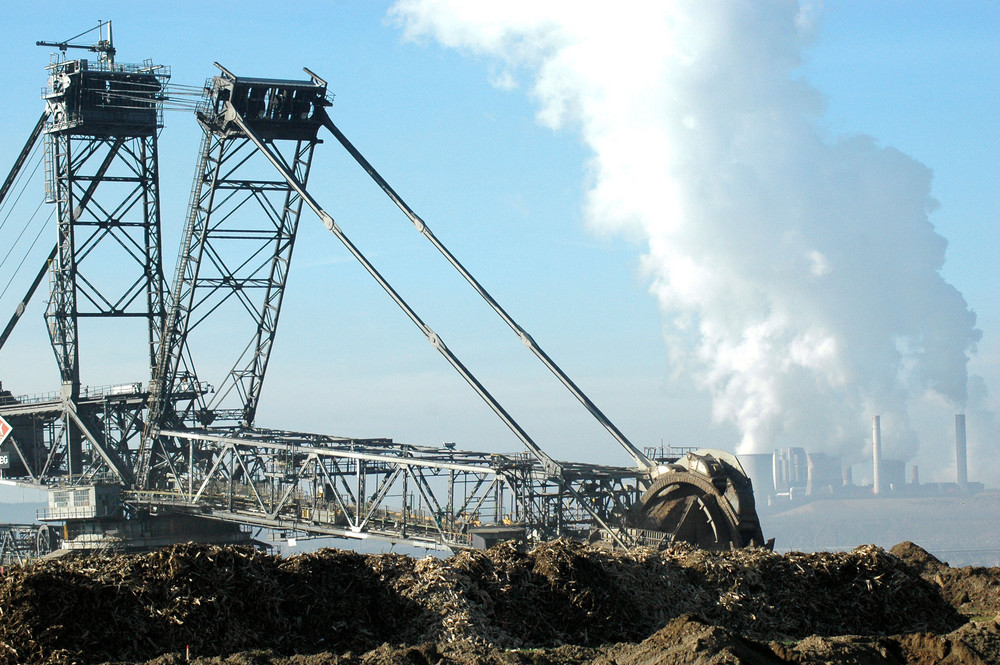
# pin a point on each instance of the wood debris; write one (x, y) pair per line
(223, 600)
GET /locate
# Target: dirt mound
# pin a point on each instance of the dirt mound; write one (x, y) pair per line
(561, 602)
(792, 596)
(686, 640)
(922, 561)
(690, 640)
(974, 591)
(206, 599)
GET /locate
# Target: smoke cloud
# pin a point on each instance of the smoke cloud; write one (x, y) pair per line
(799, 273)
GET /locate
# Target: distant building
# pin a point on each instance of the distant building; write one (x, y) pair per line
(825, 475)
(893, 474)
(791, 470)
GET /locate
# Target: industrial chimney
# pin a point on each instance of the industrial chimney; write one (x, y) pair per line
(961, 463)
(877, 452)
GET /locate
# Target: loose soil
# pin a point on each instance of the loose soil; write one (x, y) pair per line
(560, 602)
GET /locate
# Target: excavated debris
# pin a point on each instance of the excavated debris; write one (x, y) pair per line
(974, 590)
(560, 602)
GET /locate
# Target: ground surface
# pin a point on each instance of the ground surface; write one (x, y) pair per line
(960, 529)
(560, 602)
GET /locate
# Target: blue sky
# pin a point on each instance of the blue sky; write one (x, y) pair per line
(507, 195)
(923, 77)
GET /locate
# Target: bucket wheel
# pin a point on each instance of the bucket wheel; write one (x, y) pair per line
(704, 498)
(43, 541)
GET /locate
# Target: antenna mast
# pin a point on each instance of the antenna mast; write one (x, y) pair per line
(105, 47)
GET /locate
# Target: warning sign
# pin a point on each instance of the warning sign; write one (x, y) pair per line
(5, 429)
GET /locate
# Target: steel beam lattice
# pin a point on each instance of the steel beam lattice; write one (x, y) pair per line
(246, 120)
(20, 543)
(100, 125)
(235, 256)
(314, 485)
(106, 194)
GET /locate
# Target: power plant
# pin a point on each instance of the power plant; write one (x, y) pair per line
(791, 474)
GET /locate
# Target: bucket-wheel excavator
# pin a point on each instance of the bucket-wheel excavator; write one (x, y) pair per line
(179, 456)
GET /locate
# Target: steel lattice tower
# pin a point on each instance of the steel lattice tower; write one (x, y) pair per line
(235, 253)
(100, 125)
(102, 175)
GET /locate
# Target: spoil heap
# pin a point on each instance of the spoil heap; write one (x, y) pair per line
(502, 605)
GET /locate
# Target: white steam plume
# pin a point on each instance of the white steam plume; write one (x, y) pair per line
(799, 273)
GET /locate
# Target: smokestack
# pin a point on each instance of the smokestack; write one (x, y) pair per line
(877, 452)
(960, 461)
(914, 475)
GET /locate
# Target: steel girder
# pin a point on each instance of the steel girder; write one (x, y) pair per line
(554, 471)
(22, 157)
(5, 188)
(235, 255)
(102, 175)
(106, 190)
(317, 485)
(195, 452)
(62, 441)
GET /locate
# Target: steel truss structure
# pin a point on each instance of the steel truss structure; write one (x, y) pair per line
(316, 485)
(102, 175)
(185, 450)
(235, 255)
(100, 126)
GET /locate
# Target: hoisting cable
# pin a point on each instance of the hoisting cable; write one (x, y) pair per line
(24, 301)
(526, 339)
(552, 467)
(18, 238)
(13, 202)
(27, 253)
(4, 189)
(25, 151)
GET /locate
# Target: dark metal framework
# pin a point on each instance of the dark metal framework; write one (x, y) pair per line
(235, 256)
(100, 125)
(5, 189)
(194, 460)
(106, 192)
(313, 485)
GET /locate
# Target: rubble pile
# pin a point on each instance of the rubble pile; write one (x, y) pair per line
(191, 597)
(861, 592)
(220, 602)
(973, 590)
(566, 592)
